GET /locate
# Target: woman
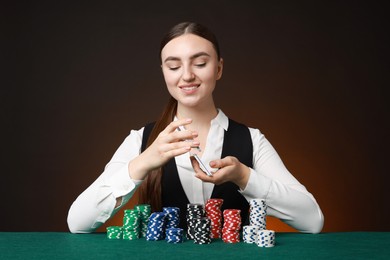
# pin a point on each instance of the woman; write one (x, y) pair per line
(158, 161)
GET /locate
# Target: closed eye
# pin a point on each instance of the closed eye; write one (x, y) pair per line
(200, 65)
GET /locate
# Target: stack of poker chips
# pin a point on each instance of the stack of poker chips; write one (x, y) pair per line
(214, 213)
(249, 234)
(265, 238)
(131, 224)
(134, 224)
(202, 231)
(256, 232)
(258, 213)
(173, 217)
(174, 235)
(114, 232)
(144, 212)
(156, 226)
(231, 226)
(194, 212)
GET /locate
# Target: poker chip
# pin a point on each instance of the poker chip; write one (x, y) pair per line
(257, 213)
(194, 212)
(114, 232)
(130, 234)
(249, 234)
(231, 226)
(131, 224)
(265, 238)
(202, 229)
(134, 224)
(174, 235)
(173, 217)
(131, 219)
(144, 213)
(156, 226)
(214, 213)
(256, 232)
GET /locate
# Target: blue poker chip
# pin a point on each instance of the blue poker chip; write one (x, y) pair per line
(156, 226)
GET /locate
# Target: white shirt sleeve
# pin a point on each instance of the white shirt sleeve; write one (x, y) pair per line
(286, 198)
(96, 204)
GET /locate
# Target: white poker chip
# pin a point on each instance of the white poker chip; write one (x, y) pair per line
(265, 238)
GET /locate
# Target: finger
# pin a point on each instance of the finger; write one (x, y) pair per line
(185, 135)
(220, 163)
(195, 164)
(170, 133)
(175, 124)
(199, 173)
(166, 147)
(176, 152)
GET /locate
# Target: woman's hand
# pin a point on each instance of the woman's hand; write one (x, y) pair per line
(229, 169)
(168, 144)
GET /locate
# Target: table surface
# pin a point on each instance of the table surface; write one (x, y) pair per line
(62, 245)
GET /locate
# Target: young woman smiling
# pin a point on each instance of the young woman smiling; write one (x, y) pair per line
(157, 159)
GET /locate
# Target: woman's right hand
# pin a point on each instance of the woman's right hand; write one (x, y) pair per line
(168, 144)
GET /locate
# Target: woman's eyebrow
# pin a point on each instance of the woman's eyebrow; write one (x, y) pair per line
(199, 54)
(194, 56)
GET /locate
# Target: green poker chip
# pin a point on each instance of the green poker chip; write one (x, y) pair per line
(135, 224)
(114, 232)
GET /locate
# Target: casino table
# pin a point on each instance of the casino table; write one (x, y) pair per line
(62, 245)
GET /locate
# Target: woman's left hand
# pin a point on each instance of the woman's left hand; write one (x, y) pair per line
(229, 169)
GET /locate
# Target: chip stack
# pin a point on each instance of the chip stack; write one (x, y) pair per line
(249, 234)
(131, 224)
(174, 235)
(194, 211)
(173, 217)
(256, 232)
(114, 232)
(156, 226)
(144, 212)
(258, 213)
(202, 231)
(214, 213)
(231, 226)
(265, 238)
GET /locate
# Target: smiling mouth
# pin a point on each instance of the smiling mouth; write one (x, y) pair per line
(189, 87)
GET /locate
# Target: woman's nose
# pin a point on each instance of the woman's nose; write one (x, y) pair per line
(188, 74)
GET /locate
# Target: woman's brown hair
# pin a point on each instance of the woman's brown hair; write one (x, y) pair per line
(150, 190)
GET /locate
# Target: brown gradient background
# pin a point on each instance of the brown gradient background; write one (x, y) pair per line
(78, 77)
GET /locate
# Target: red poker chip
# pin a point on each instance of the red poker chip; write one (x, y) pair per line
(214, 234)
(230, 239)
(214, 201)
(231, 212)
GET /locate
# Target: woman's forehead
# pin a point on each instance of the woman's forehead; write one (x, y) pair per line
(186, 46)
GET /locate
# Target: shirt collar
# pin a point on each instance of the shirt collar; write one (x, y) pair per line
(221, 119)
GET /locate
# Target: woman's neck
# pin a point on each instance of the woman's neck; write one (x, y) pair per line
(201, 117)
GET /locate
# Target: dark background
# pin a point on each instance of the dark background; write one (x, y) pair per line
(77, 77)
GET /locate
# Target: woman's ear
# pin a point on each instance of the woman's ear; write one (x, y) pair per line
(220, 69)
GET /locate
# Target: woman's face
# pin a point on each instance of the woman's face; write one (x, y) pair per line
(191, 68)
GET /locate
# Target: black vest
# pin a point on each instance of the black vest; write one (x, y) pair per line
(238, 143)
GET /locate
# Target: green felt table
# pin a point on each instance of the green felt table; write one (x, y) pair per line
(62, 245)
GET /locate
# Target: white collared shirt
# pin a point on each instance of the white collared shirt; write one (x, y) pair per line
(196, 190)
(269, 179)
